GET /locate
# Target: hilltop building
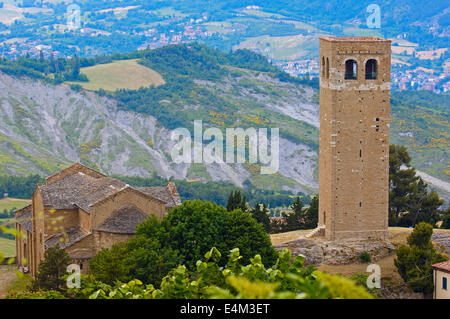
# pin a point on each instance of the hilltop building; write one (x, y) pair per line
(354, 137)
(83, 211)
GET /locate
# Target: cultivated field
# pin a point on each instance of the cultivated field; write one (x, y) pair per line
(124, 74)
(10, 203)
(7, 247)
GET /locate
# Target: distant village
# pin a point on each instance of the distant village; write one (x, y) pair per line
(404, 75)
(156, 39)
(418, 78)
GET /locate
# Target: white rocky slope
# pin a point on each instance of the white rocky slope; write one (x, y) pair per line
(44, 127)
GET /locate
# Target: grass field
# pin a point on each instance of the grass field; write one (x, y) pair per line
(124, 74)
(7, 247)
(10, 203)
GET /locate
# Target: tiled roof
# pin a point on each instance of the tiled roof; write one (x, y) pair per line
(81, 190)
(444, 266)
(160, 193)
(78, 190)
(168, 194)
(123, 221)
(24, 218)
(67, 238)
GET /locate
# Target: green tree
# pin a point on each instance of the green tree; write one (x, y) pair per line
(410, 202)
(260, 213)
(312, 213)
(51, 270)
(75, 67)
(446, 219)
(295, 219)
(414, 261)
(183, 237)
(236, 201)
(109, 265)
(149, 260)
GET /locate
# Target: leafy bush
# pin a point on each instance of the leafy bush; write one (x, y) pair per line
(365, 257)
(182, 237)
(286, 278)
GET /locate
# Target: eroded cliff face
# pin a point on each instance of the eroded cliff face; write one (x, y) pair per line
(45, 127)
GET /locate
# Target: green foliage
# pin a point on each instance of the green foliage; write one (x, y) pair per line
(19, 186)
(237, 201)
(7, 213)
(409, 199)
(365, 257)
(287, 278)
(414, 261)
(108, 264)
(299, 218)
(420, 123)
(51, 270)
(47, 294)
(446, 219)
(294, 220)
(182, 237)
(217, 192)
(261, 214)
(360, 278)
(142, 258)
(312, 213)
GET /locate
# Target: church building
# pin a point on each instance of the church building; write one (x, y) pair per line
(83, 211)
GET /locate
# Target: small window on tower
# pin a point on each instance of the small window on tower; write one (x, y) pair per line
(323, 67)
(328, 69)
(371, 69)
(351, 68)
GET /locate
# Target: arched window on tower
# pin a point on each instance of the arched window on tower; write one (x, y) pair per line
(351, 68)
(328, 69)
(371, 69)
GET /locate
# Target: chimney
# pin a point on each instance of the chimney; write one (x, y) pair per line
(174, 193)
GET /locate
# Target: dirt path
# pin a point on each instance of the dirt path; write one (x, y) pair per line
(7, 276)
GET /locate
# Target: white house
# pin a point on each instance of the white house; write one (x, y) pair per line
(441, 277)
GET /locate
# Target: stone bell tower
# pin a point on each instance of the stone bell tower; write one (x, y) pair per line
(354, 137)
